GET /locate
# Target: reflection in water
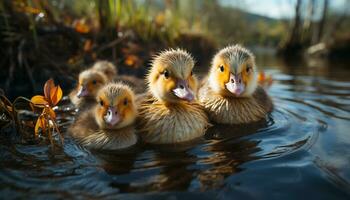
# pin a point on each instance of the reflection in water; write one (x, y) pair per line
(300, 150)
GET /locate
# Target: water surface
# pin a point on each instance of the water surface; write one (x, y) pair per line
(301, 150)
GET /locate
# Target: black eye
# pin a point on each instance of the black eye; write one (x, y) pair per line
(166, 74)
(248, 69)
(221, 68)
(191, 73)
(94, 82)
(125, 102)
(101, 102)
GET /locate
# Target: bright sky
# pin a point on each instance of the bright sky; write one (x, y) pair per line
(276, 8)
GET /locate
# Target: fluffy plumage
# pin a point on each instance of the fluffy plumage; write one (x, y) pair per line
(92, 81)
(109, 124)
(161, 123)
(169, 112)
(231, 110)
(106, 67)
(231, 94)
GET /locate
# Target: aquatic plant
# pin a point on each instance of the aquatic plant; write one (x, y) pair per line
(20, 114)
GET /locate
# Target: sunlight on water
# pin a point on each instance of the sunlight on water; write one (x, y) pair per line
(303, 145)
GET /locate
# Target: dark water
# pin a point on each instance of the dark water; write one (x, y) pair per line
(301, 151)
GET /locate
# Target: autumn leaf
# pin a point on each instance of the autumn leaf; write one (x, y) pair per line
(131, 60)
(39, 100)
(55, 95)
(87, 45)
(264, 80)
(81, 27)
(40, 123)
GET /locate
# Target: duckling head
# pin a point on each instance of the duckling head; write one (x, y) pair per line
(107, 68)
(170, 78)
(233, 72)
(90, 81)
(116, 106)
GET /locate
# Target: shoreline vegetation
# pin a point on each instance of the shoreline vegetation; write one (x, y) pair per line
(44, 39)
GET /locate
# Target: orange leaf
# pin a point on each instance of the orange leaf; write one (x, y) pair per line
(39, 100)
(40, 123)
(81, 27)
(51, 113)
(55, 95)
(47, 88)
(131, 60)
(88, 45)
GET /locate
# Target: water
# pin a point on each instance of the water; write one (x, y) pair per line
(302, 150)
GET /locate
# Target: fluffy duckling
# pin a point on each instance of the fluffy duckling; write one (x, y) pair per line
(169, 112)
(111, 72)
(231, 94)
(109, 124)
(107, 68)
(90, 81)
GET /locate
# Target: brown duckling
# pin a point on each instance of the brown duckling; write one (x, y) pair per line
(109, 124)
(231, 94)
(107, 68)
(90, 81)
(169, 112)
(111, 71)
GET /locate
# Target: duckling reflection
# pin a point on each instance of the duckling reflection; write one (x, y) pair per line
(225, 159)
(168, 168)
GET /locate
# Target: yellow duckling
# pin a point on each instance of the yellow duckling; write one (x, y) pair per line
(109, 124)
(106, 68)
(169, 113)
(231, 94)
(90, 81)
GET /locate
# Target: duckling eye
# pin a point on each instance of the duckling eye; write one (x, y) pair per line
(125, 102)
(248, 69)
(101, 102)
(222, 68)
(94, 82)
(166, 74)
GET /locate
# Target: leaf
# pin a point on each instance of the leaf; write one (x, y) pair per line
(39, 100)
(81, 27)
(131, 60)
(51, 113)
(47, 88)
(55, 95)
(88, 45)
(40, 123)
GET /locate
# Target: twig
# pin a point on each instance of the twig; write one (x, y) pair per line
(109, 45)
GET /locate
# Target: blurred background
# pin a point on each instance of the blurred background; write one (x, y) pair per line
(58, 38)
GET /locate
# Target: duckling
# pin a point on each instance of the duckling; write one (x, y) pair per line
(111, 71)
(90, 81)
(107, 68)
(169, 111)
(231, 94)
(109, 124)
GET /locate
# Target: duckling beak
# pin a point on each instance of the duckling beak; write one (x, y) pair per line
(235, 84)
(83, 92)
(183, 91)
(112, 117)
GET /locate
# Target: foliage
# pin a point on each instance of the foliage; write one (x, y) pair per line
(45, 125)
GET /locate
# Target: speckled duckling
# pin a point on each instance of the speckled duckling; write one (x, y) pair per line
(169, 112)
(230, 93)
(109, 124)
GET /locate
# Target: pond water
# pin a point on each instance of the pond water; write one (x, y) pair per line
(302, 150)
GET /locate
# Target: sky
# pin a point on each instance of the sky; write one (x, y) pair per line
(276, 8)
